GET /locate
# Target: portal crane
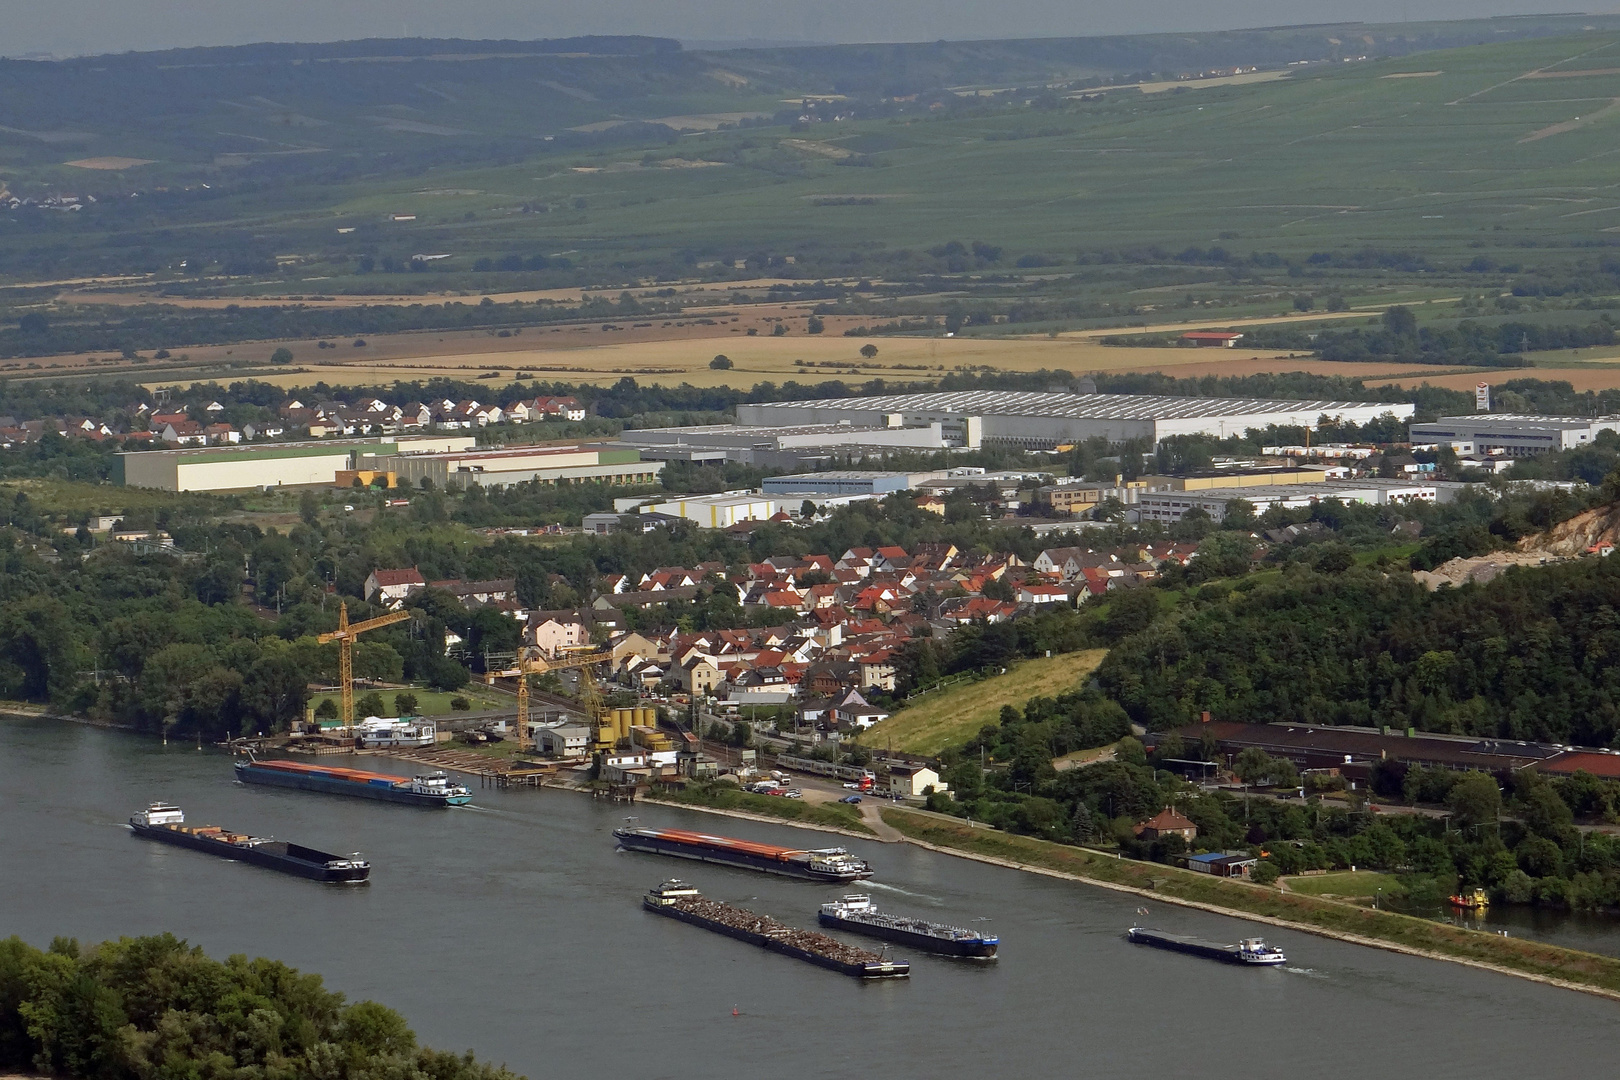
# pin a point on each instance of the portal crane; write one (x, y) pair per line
(530, 661)
(344, 635)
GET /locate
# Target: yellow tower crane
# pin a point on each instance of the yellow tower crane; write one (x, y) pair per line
(530, 661)
(344, 635)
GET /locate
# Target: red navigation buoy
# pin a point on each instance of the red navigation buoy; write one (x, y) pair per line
(734, 1011)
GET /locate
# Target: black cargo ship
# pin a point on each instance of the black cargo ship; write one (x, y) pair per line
(161, 821)
(1250, 951)
(857, 914)
(817, 864)
(678, 900)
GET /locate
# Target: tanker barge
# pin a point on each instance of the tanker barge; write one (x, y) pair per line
(678, 900)
(1250, 951)
(160, 821)
(823, 864)
(857, 914)
(428, 789)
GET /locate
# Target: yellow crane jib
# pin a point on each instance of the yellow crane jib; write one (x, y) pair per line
(531, 661)
(344, 635)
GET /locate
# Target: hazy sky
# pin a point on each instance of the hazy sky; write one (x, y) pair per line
(89, 26)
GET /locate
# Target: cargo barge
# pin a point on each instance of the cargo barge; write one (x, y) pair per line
(1250, 951)
(428, 789)
(678, 900)
(164, 822)
(819, 864)
(857, 914)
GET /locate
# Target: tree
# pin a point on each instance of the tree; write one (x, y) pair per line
(326, 710)
(1130, 611)
(405, 704)
(370, 704)
(282, 355)
(869, 351)
(779, 330)
(814, 325)
(309, 508)
(720, 363)
(1400, 322)
(1254, 766)
(1475, 799)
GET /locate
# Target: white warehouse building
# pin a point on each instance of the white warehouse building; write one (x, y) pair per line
(971, 418)
(1514, 434)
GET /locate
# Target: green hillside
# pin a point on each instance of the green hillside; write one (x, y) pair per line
(1481, 151)
(1490, 159)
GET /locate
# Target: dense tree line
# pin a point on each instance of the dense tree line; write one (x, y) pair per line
(1528, 656)
(154, 1008)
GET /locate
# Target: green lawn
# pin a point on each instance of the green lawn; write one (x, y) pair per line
(1361, 883)
(952, 715)
(433, 702)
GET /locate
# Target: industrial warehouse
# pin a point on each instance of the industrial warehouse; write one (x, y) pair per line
(780, 447)
(266, 465)
(1512, 434)
(444, 461)
(518, 465)
(1041, 421)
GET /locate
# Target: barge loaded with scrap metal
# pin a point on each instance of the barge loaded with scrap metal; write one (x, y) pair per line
(678, 900)
(816, 864)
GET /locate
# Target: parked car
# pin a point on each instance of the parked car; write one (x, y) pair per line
(851, 799)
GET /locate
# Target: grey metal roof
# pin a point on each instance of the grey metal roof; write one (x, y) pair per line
(1078, 406)
(1526, 419)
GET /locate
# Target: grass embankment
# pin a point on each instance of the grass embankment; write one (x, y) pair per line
(1517, 956)
(799, 811)
(956, 714)
(1361, 884)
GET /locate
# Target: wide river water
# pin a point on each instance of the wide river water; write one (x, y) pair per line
(513, 927)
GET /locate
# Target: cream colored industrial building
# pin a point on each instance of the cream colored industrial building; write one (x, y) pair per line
(266, 465)
(1038, 421)
(465, 467)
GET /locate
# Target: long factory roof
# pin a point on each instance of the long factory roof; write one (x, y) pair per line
(1079, 406)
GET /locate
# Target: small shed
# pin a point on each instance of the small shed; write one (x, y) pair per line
(565, 741)
(1212, 339)
(1224, 864)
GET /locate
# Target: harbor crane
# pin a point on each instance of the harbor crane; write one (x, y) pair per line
(531, 661)
(344, 635)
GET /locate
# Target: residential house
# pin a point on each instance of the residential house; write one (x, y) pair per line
(1042, 594)
(391, 587)
(855, 713)
(478, 593)
(553, 632)
(558, 408)
(700, 675)
(913, 781)
(1167, 822)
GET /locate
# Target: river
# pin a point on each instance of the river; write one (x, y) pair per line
(513, 927)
